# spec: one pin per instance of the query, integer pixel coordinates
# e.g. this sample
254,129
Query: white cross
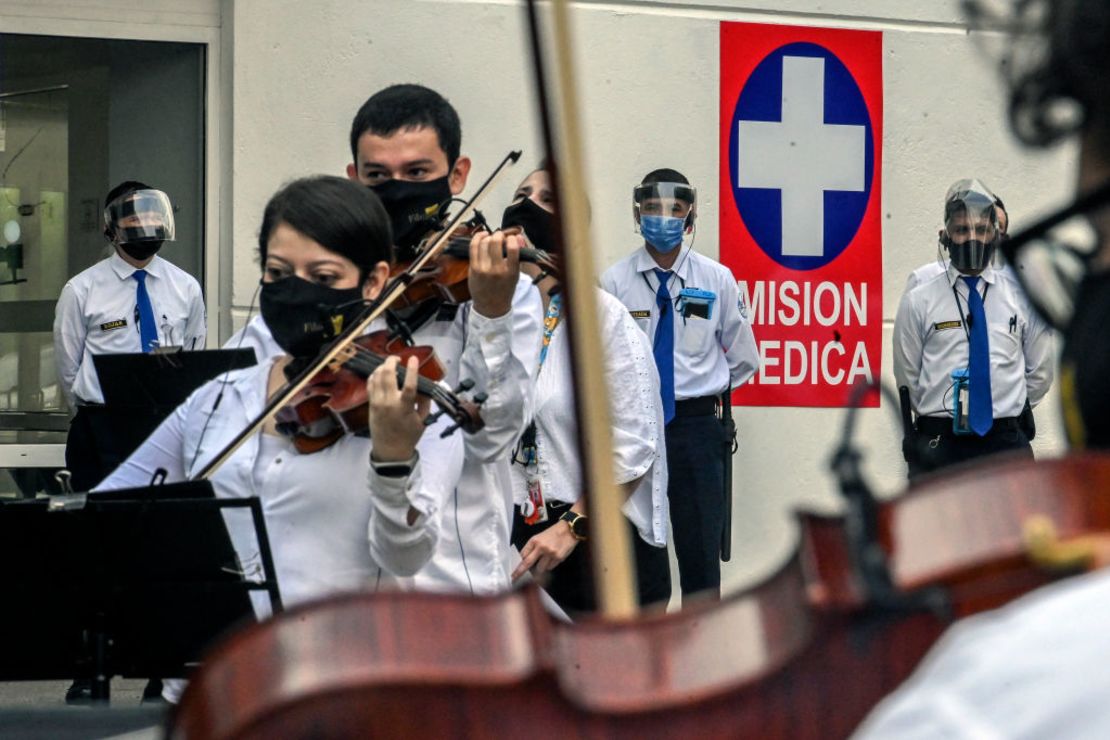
801,155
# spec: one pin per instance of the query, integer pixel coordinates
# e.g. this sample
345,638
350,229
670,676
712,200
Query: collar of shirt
988,274
646,263
246,383
124,269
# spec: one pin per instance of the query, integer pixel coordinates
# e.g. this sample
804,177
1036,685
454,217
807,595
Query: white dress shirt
1034,669
709,354
636,407
473,551
96,314
930,341
334,524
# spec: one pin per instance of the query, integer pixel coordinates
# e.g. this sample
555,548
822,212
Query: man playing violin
362,513
405,145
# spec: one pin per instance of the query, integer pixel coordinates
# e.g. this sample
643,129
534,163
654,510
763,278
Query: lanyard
963,319
550,321
526,453
655,291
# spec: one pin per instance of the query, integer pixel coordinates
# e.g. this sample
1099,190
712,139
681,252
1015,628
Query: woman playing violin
362,512
549,525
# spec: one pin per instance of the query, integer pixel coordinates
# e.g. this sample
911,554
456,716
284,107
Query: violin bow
390,293
612,549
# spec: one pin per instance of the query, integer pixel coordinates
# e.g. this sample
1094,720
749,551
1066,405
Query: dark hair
127,186
1059,58
408,107
338,214
664,175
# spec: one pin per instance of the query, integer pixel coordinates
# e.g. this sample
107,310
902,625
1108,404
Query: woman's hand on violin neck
494,272
546,550
396,414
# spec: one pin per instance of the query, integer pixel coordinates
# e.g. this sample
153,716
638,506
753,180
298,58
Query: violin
803,654
447,277
335,402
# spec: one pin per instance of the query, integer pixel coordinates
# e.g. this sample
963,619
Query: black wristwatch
401,469
577,523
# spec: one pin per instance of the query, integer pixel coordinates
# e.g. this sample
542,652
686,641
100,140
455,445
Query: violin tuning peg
480,398
464,385
448,431
432,418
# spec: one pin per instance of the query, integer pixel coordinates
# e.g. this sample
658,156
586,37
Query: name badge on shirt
113,325
696,302
941,325
640,314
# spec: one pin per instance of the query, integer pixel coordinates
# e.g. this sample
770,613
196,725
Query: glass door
77,116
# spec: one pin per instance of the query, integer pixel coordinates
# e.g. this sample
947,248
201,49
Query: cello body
800,655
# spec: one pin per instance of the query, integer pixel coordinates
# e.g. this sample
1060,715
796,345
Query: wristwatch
401,469
577,523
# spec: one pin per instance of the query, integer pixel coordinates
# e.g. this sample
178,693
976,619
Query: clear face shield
663,211
971,231
140,216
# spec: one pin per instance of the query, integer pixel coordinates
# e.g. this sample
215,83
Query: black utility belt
933,425
702,406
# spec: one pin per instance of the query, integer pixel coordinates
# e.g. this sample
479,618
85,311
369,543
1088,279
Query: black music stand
141,389
133,582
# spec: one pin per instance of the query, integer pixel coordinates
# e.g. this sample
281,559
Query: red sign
800,194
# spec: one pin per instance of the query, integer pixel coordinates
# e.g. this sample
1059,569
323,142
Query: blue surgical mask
662,232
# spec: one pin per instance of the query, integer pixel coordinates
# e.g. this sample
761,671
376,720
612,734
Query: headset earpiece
691,217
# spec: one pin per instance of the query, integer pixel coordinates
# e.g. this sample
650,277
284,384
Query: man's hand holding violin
494,271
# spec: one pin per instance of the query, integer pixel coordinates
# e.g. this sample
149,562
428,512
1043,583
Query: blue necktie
663,348
980,413
148,331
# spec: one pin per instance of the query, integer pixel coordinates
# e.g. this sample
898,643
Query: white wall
649,78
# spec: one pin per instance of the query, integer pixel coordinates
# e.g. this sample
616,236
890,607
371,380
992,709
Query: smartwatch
577,524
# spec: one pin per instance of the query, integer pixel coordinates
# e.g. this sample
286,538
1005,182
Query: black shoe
152,694
79,692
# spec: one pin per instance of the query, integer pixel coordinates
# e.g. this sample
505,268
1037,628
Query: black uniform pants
696,469
88,450
571,583
934,446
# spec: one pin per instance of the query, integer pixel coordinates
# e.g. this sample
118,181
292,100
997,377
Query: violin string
367,361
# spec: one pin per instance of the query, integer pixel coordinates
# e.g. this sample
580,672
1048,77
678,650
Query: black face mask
303,316
971,256
414,208
141,250
538,224
1085,366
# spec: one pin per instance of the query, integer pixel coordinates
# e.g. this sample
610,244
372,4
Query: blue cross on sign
801,156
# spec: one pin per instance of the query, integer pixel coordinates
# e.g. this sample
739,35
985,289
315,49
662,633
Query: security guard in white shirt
968,346
688,305
133,301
